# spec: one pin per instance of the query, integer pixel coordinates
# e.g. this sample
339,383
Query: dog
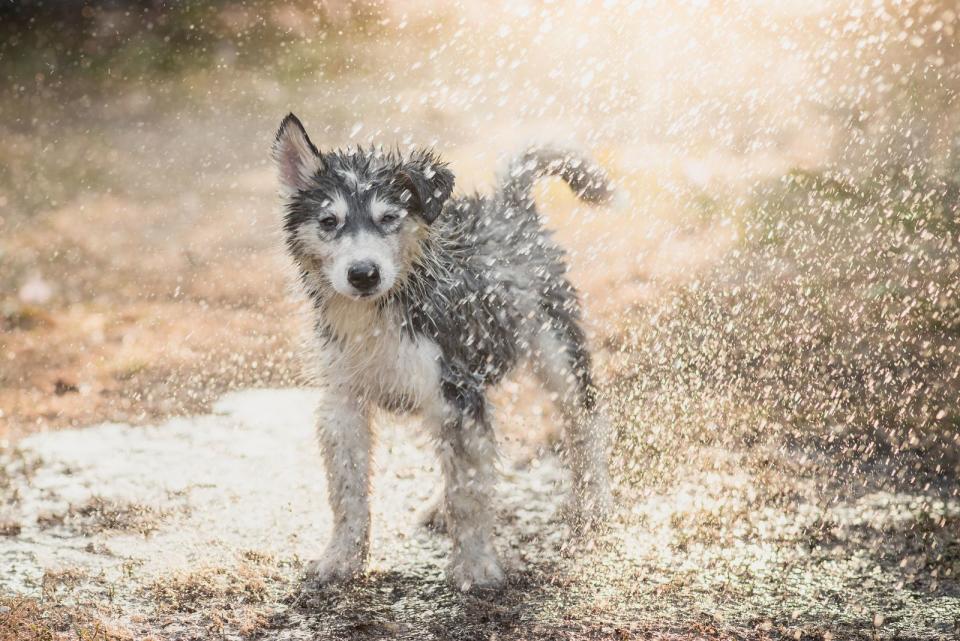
421,302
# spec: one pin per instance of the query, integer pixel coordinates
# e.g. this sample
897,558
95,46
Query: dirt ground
199,527
157,474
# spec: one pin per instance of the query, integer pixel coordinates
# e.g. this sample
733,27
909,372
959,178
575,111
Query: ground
158,477
201,526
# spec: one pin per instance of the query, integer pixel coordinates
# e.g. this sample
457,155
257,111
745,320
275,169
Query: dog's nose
364,276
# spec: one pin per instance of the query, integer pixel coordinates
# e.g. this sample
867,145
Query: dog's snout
365,275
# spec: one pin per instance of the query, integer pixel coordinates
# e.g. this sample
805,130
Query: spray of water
772,304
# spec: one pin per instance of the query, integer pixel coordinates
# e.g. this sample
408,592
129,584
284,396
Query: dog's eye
328,223
389,217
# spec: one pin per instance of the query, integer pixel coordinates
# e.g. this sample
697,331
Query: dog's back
493,280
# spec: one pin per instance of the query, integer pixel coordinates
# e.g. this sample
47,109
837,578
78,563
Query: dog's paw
476,572
334,568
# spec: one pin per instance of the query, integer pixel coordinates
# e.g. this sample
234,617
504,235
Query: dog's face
356,219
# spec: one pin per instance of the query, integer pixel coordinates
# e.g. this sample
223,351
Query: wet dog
423,301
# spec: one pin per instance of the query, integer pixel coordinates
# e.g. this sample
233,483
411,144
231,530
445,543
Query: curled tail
587,179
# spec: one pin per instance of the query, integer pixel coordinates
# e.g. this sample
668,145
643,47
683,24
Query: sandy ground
201,526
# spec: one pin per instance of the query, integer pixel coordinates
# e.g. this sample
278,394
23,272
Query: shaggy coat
422,301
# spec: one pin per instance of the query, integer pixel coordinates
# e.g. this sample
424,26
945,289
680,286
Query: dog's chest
382,362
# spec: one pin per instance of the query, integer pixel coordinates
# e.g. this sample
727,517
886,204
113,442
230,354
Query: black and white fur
422,302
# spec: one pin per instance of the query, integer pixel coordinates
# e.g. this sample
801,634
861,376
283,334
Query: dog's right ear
298,161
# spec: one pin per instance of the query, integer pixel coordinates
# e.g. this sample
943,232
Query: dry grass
9,527
105,515
26,619
248,582
238,598
136,362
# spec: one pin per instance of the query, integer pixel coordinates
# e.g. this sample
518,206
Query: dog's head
356,219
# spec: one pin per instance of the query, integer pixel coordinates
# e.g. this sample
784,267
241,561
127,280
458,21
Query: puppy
422,302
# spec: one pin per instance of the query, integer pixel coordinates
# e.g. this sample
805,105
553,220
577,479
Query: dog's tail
585,177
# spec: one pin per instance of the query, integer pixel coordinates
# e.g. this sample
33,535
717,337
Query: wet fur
480,288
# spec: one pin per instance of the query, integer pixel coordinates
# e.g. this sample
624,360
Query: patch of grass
16,466
130,368
101,515
63,579
9,527
235,598
26,619
17,316
238,598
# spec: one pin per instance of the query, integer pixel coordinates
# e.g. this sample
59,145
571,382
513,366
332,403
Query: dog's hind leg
562,362
343,429
468,454
431,515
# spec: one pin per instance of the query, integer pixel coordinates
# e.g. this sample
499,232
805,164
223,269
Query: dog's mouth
364,295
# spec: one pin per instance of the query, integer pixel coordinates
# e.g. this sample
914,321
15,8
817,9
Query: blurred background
791,169
782,278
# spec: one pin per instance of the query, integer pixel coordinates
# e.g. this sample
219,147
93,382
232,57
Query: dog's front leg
468,456
343,429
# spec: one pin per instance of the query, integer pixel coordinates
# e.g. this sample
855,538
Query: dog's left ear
425,184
